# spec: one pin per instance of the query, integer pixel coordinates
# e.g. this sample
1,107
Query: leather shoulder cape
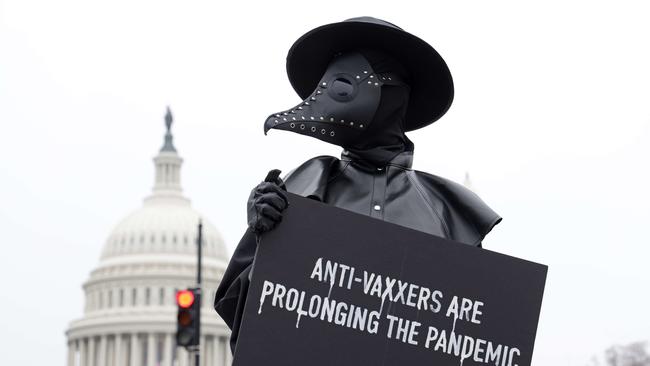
464,216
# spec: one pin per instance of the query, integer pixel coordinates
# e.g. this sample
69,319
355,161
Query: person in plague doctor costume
364,83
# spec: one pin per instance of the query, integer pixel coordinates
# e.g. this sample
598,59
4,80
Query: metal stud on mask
343,104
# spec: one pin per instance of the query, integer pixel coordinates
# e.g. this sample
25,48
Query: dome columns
144,349
168,173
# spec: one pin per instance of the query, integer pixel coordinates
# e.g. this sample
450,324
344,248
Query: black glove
266,203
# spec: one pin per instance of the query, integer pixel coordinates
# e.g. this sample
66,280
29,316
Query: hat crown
373,20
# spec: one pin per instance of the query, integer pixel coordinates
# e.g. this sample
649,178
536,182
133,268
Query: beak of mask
343,105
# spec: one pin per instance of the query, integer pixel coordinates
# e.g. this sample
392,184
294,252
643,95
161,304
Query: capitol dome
163,226
130,310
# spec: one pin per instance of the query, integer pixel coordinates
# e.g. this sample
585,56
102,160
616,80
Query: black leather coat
393,193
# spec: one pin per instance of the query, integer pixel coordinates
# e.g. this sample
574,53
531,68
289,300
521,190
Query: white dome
130,309
163,226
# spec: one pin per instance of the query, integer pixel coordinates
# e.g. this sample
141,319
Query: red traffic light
188,317
185,298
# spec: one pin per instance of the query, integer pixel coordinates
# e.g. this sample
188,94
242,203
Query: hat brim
432,88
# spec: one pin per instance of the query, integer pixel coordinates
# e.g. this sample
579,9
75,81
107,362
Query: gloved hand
266,203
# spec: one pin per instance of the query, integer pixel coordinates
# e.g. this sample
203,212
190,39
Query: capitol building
129,316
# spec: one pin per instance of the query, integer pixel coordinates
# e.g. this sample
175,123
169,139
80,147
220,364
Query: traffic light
188,323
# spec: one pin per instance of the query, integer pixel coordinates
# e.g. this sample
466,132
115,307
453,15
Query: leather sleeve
230,298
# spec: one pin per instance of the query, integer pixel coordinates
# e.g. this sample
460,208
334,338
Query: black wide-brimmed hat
432,88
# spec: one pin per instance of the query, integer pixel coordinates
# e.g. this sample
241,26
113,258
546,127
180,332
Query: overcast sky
550,118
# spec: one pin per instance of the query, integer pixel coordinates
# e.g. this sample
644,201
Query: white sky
550,118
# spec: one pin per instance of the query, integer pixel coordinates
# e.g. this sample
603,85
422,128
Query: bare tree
633,354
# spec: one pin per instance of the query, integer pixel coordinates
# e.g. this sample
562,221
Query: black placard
315,297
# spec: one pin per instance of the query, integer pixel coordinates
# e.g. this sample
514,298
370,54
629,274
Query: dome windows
147,296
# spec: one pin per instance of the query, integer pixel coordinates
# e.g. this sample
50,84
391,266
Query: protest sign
331,287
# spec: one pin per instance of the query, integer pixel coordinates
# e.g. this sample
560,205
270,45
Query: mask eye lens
342,87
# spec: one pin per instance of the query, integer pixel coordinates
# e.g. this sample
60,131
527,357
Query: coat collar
402,160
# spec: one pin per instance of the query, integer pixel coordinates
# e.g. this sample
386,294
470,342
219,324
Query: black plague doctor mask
359,104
